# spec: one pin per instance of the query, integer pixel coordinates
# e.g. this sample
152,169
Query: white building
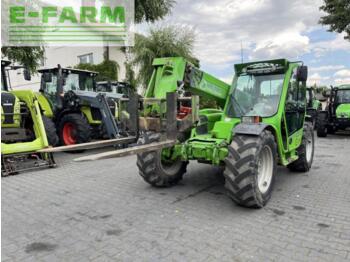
69,57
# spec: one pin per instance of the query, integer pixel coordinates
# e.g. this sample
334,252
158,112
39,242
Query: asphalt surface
104,211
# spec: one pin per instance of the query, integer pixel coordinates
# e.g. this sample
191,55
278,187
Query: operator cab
257,91
114,87
343,95
72,80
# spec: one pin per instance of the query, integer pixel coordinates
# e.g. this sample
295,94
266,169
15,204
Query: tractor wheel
50,130
250,169
74,129
305,151
322,129
154,170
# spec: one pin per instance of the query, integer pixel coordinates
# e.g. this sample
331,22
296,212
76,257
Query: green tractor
313,106
337,114
69,97
260,124
24,130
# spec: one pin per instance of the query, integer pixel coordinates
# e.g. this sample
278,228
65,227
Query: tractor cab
57,81
342,103
115,87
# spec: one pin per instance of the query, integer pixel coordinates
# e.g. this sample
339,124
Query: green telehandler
24,130
337,114
260,124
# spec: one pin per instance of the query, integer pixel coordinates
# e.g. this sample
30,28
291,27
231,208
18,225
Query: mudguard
250,128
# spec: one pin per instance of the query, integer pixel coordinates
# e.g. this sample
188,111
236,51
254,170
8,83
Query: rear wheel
305,151
51,132
155,170
74,129
250,169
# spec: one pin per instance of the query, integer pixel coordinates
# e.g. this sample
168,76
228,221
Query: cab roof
280,65
343,86
67,70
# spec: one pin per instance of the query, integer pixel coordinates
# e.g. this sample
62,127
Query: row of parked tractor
265,118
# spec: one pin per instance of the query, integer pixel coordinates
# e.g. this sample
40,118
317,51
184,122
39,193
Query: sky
267,29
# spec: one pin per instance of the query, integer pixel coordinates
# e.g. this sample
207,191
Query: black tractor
337,114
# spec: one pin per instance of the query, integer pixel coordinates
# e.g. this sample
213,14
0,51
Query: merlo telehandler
336,116
24,129
260,124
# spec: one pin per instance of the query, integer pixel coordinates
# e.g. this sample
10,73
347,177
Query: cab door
295,111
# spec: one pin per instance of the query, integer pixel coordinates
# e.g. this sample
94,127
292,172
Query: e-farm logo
48,23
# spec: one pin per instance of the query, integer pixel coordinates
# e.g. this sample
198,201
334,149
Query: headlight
251,119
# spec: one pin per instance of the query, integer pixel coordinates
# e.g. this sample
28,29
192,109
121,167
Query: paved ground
103,211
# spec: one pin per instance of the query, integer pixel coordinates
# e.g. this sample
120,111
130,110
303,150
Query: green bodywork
343,110
16,117
40,142
45,104
211,146
316,104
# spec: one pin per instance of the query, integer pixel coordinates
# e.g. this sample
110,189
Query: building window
86,59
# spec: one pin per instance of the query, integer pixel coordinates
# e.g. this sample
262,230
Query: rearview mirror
302,73
26,74
47,77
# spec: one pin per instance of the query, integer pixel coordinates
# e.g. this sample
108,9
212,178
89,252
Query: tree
152,10
165,41
26,56
107,70
338,16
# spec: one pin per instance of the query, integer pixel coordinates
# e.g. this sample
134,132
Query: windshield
78,82
343,96
256,95
72,82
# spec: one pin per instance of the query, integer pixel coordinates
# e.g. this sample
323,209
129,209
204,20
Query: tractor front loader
24,130
69,97
337,114
259,123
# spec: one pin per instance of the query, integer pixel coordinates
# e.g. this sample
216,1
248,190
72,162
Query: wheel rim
265,169
308,147
69,134
170,166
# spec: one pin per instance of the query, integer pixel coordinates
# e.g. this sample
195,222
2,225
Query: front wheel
155,170
50,130
74,129
250,169
305,151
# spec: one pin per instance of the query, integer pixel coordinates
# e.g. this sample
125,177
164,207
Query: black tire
322,129
81,125
51,132
241,172
304,162
153,170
